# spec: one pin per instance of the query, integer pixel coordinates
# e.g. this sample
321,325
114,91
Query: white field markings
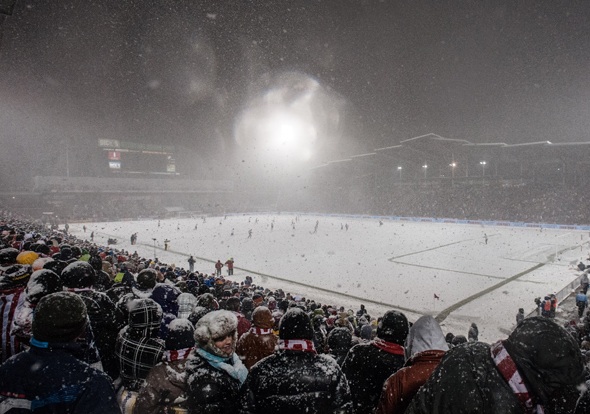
441,316
446,312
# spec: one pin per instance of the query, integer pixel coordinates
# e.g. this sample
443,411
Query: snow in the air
389,265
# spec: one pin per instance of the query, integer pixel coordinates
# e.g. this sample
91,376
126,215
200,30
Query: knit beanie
59,317
146,279
8,256
393,327
197,313
339,339
262,318
14,276
180,334
56,265
207,300
295,324
41,262
42,283
26,257
366,332
78,275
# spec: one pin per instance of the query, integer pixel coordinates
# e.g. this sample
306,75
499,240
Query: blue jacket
580,297
50,378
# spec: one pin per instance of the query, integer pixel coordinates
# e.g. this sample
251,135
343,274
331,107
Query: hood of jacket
425,334
546,355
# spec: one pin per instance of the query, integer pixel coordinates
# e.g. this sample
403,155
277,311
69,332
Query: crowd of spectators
547,203
529,203
89,328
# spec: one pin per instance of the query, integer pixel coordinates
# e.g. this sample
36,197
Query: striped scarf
260,331
509,372
304,345
176,354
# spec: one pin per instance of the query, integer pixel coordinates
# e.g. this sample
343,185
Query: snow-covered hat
393,327
14,276
59,317
180,334
146,279
42,283
295,324
214,326
78,275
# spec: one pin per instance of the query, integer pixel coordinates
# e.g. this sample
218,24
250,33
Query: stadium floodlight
483,167
425,168
453,165
399,168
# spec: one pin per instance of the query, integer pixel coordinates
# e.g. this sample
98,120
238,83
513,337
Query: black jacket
367,367
296,382
457,383
210,390
106,322
52,379
467,379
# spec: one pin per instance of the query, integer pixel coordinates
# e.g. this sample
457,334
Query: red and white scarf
304,345
260,331
176,354
388,347
509,372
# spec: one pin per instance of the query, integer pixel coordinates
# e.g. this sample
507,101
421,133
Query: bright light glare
287,134
283,134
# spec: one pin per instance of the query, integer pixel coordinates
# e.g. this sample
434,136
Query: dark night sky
181,71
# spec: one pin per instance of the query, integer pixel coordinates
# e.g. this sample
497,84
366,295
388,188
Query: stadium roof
443,156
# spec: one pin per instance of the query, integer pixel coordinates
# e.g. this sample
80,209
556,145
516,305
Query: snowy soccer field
399,265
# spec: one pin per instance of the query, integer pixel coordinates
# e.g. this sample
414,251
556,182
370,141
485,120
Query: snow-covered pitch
400,265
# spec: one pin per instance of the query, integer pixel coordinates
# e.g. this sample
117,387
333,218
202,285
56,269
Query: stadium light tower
154,239
483,167
425,168
453,165
399,169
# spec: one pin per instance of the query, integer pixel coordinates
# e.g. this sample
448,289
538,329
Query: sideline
331,292
446,312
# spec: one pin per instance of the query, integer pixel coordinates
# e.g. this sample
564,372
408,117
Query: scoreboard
124,157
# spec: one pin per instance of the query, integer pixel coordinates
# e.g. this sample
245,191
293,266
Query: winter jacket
186,304
243,323
296,382
210,390
367,367
259,341
167,297
426,346
468,380
49,378
138,346
10,299
164,389
473,334
106,322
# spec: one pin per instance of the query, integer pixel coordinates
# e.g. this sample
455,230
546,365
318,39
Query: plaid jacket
138,347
